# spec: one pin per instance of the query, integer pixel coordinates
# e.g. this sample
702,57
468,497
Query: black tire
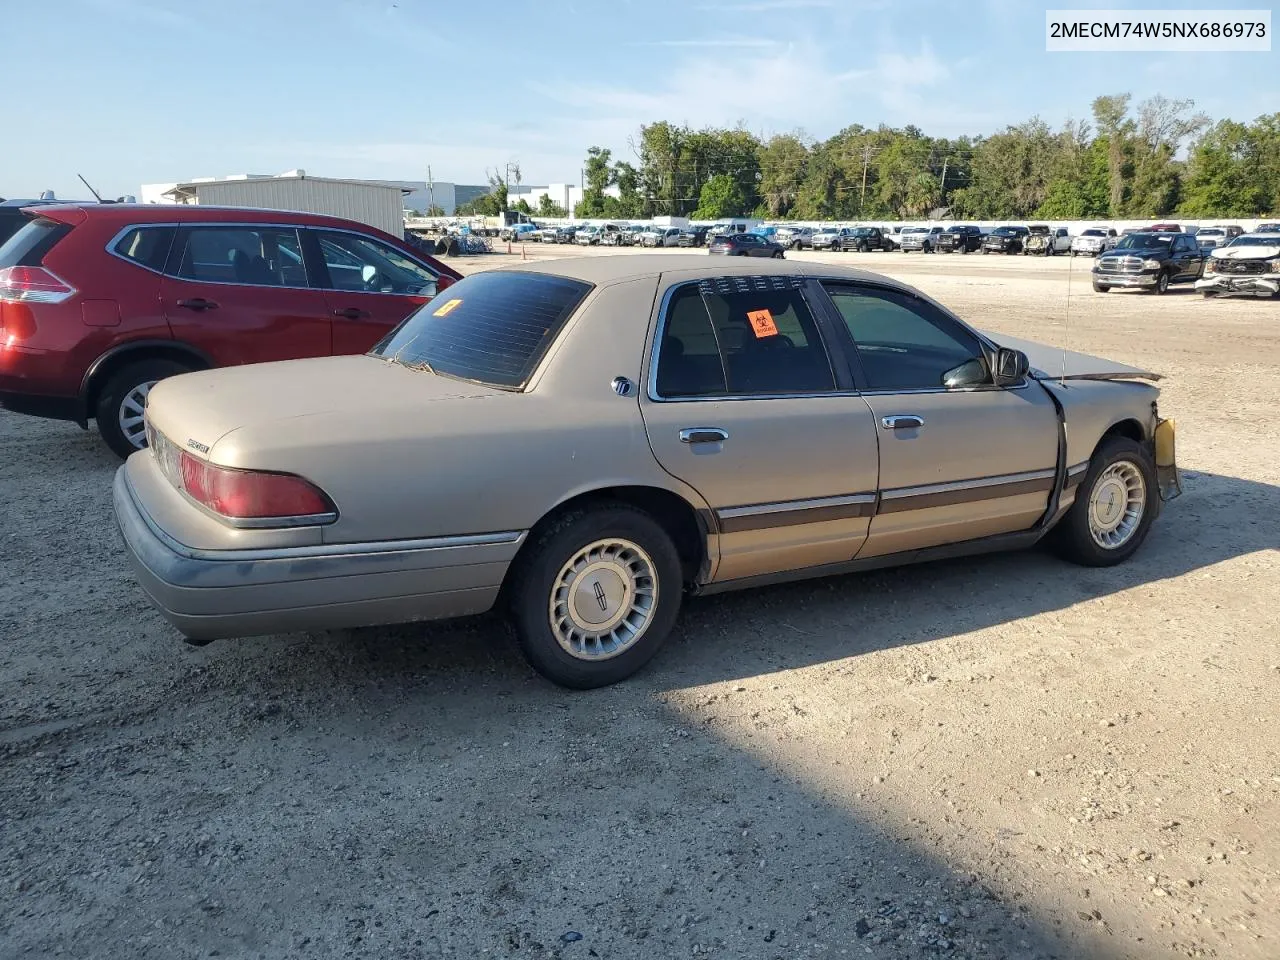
1100,287
538,567
1162,284
777,255
926,248
1071,538
117,388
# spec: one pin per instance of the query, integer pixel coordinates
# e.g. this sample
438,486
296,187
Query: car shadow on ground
416,791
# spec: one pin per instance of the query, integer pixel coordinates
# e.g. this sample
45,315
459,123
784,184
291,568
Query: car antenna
91,190
1066,322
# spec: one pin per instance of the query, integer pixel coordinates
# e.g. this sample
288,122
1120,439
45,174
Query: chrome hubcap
130,416
1116,504
603,599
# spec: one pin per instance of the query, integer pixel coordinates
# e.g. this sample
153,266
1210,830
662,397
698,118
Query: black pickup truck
1007,239
961,239
864,240
1149,261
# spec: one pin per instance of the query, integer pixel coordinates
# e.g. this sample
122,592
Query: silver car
587,441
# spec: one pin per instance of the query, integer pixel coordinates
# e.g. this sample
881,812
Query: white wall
374,204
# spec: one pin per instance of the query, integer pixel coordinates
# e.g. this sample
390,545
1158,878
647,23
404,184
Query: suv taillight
262,499
33,285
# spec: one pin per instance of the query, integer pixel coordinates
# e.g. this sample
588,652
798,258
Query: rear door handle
903,422
703,435
198,303
351,313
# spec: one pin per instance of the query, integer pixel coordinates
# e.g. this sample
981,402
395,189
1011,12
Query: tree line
1155,158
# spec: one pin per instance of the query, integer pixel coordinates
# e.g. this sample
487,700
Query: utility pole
431,193
942,185
866,160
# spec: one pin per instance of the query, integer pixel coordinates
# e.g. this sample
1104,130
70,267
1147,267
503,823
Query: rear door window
252,256
741,336
491,327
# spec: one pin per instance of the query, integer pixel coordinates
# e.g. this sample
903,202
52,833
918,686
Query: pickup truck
1006,239
1093,241
1046,241
923,239
1149,260
864,240
961,239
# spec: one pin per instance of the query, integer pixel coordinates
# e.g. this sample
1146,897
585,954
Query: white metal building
378,204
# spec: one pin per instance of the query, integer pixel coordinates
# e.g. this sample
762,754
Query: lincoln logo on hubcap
600,597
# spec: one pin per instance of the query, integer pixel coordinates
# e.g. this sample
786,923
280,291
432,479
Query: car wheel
1100,287
123,399
1162,284
777,254
596,596
1114,506
926,249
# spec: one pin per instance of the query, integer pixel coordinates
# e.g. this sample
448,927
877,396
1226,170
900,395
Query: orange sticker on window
762,323
447,309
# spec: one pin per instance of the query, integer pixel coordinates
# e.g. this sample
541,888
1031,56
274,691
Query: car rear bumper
1266,284
212,594
1126,279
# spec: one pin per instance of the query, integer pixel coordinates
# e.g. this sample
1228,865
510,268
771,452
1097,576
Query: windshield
1092,233
1008,231
862,231
1139,241
914,230
1248,241
489,328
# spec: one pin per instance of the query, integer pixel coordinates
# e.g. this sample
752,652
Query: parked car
693,237
1268,228
1092,241
12,219
1006,239
864,240
923,239
100,302
587,236
825,238
1164,228
795,238
1250,263
635,485
960,239
661,237
631,235
745,245
1217,236
894,235
1046,241
1150,261
518,231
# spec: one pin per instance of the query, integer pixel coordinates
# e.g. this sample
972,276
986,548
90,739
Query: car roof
128,213
620,267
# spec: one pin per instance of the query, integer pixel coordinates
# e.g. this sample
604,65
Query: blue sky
134,91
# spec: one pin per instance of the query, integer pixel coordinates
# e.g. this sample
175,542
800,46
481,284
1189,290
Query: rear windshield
27,247
490,327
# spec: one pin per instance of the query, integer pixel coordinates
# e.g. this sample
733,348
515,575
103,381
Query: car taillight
33,285
268,499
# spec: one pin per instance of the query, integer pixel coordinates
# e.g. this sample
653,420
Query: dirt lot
1001,757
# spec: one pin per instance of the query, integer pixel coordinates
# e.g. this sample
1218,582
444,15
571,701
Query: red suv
98,303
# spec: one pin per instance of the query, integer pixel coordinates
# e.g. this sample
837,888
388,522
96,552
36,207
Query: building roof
187,189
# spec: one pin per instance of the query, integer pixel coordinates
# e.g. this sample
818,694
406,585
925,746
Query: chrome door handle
903,422
703,435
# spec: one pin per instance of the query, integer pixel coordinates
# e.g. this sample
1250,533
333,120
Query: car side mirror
1011,367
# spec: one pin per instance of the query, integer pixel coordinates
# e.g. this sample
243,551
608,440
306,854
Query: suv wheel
596,596
1162,284
123,400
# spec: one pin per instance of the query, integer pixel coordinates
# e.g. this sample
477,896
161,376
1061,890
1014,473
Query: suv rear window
27,247
490,327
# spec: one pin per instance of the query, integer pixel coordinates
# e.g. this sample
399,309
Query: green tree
1226,173
549,208
599,175
782,163
721,196
1110,115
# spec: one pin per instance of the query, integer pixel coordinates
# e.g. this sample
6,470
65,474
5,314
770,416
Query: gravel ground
999,757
